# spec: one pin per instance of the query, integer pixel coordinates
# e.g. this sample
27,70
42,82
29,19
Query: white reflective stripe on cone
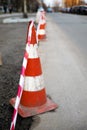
33,51
41,32
33,83
43,21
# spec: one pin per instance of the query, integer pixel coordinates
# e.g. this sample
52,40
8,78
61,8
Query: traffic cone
33,100
31,38
41,29
40,12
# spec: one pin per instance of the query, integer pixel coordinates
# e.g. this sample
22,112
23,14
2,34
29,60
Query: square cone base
31,111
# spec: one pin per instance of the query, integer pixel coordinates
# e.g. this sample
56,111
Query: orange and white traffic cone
34,91
41,29
33,100
40,12
31,34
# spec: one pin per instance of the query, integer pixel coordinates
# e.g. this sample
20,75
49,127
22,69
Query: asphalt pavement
65,82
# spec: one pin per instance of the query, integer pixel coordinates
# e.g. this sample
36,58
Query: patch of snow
17,20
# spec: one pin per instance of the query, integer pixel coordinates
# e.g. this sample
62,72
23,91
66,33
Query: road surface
65,73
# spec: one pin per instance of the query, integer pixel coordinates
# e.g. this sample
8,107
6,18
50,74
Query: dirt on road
12,46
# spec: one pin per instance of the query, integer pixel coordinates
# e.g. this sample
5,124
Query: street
75,26
64,63
65,68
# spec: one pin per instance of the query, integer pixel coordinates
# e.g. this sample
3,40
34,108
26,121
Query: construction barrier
41,29
31,98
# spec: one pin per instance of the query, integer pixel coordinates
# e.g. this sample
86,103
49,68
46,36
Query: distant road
75,27
64,55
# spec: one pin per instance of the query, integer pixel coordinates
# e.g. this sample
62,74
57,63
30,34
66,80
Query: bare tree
24,5
25,15
56,6
33,5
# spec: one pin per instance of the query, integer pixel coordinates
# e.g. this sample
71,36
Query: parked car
83,9
74,9
79,9
49,10
63,10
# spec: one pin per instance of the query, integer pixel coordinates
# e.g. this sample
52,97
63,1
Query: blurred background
9,6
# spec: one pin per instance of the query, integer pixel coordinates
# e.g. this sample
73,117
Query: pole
25,9
21,81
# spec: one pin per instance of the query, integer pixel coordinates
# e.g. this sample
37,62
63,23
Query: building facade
69,3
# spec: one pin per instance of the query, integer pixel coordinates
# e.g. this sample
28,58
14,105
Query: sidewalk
15,18
8,15
13,14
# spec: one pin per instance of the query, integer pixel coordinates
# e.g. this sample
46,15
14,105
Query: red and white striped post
21,81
